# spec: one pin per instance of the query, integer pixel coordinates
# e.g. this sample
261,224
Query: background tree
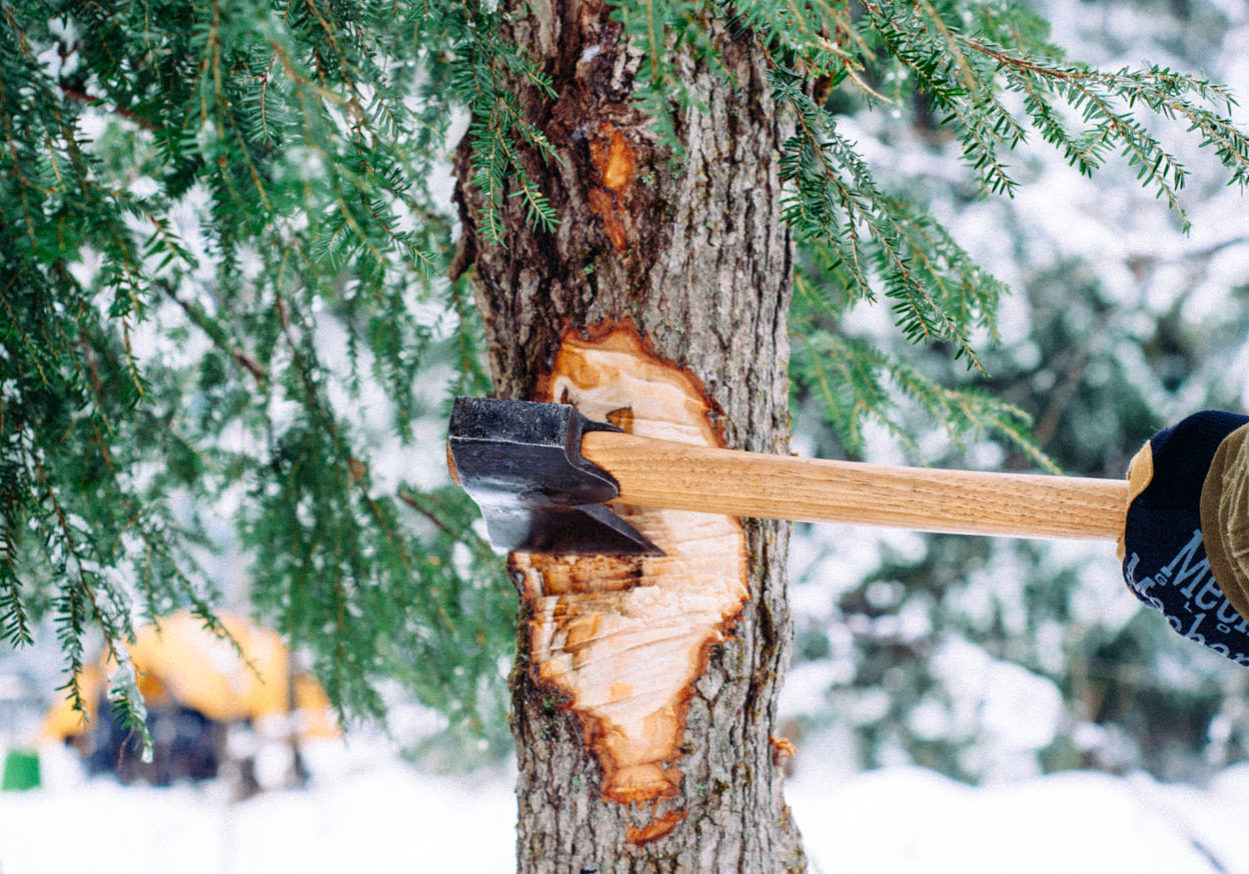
1120,323
223,236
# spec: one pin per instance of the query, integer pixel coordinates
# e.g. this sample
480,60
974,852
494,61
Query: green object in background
21,770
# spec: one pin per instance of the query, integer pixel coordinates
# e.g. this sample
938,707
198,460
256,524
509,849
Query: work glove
1185,546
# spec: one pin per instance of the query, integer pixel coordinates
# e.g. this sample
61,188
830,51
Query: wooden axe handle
679,476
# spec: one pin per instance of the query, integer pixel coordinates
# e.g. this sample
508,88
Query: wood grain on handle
678,476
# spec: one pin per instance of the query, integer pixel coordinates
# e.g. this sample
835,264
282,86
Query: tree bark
676,275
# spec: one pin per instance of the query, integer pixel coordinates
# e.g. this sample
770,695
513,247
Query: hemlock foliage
223,235
987,658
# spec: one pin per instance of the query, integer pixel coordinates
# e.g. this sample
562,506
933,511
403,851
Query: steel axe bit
521,462
542,472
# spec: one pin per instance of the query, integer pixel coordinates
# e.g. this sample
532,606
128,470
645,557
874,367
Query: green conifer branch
308,131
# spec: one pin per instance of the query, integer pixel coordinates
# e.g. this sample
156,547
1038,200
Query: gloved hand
1185,547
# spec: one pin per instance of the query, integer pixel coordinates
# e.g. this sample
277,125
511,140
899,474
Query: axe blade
521,462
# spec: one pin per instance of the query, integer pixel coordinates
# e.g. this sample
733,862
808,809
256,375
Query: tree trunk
645,689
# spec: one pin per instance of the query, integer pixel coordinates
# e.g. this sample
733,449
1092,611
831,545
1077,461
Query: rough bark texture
693,258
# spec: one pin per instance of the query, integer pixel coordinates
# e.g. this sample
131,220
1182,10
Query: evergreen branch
355,469
817,158
430,511
1143,150
925,43
77,593
425,261
1161,90
853,379
14,497
302,128
972,82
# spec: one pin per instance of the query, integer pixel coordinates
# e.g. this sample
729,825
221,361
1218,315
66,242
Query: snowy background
368,811
903,679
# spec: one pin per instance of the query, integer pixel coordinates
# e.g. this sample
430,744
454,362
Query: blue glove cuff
1164,562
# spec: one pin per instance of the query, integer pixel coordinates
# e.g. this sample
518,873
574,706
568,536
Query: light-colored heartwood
624,638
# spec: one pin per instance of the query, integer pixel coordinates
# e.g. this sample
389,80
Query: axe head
521,462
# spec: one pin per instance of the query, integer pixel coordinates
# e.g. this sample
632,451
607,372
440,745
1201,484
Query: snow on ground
367,811
907,819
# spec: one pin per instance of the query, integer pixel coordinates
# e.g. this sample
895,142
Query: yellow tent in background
179,661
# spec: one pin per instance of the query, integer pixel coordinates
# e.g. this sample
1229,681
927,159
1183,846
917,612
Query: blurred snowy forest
981,659
989,658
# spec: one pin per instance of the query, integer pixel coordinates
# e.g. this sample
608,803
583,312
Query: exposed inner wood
624,638
657,829
613,160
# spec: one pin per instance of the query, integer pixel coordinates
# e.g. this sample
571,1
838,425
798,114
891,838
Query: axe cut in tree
543,472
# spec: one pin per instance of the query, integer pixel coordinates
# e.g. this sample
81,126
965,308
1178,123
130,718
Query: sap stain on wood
656,829
614,161
623,639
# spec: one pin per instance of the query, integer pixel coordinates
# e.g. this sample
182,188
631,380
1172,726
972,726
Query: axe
543,475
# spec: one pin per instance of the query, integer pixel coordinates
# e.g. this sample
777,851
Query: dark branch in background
98,102
218,335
